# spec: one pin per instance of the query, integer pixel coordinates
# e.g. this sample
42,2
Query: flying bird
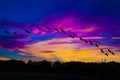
27,31
102,50
71,36
63,30
38,28
6,32
96,45
111,52
56,29
74,34
85,41
106,54
81,39
15,33
91,43
48,28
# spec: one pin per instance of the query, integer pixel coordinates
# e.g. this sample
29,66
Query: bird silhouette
111,52
71,36
85,41
102,50
48,28
106,54
6,32
38,28
74,34
15,33
96,45
63,30
81,39
27,31
91,42
56,29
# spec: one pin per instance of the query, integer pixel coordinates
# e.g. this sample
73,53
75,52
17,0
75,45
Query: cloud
4,58
116,38
44,43
74,22
67,51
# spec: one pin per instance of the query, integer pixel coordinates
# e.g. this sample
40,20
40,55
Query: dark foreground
51,76
44,70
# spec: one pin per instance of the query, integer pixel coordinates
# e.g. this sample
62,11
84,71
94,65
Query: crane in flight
63,31
91,42
27,31
81,39
56,29
106,54
71,36
102,50
74,34
15,33
38,28
6,32
96,45
111,52
48,28
85,41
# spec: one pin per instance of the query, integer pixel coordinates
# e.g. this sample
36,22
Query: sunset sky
94,20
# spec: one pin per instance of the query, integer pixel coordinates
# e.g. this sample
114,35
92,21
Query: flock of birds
73,35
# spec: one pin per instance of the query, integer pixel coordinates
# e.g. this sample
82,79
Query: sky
94,20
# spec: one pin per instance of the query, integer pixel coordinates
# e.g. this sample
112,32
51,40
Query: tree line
104,69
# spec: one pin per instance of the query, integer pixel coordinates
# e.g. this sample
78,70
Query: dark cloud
47,51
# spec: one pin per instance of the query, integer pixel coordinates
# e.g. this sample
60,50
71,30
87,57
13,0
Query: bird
91,42
48,28
63,30
38,28
15,33
96,45
71,36
81,39
85,41
6,32
111,52
74,34
106,54
56,29
102,50
27,31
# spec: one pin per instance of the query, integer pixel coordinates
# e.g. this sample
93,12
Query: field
19,70
50,76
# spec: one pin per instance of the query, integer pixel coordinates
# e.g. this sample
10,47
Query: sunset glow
56,35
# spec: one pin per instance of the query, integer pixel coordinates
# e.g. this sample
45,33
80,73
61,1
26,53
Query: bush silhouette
97,69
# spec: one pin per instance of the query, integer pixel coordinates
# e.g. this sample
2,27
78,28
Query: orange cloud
4,58
67,51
